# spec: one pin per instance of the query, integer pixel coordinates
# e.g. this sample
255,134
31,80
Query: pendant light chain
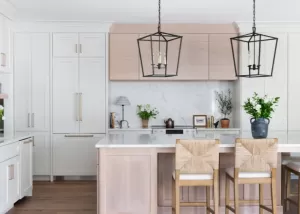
254,17
159,15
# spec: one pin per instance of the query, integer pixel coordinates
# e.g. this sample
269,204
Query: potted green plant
2,113
224,100
260,109
145,112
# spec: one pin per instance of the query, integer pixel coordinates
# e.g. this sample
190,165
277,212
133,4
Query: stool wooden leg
177,198
173,196
288,189
273,190
216,191
227,194
207,199
261,198
298,194
282,184
236,192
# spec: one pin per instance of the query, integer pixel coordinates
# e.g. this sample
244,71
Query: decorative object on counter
254,42
200,121
2,117
169,123
112,120
156,46
212,120
261,109
208,123
216,124
123,101
145,112
224,100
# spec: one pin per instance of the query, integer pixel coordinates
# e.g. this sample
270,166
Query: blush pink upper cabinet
221,66
124,58
194,57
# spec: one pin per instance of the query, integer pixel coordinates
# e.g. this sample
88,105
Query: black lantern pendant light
256,44
159,53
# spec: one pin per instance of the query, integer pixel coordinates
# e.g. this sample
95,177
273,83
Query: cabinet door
5,61
22,71
65,95
75,155
3,187
13,179
293,82
41,154
65,45
1,42
193,64
92,95
124,57
40,64
221,66
26,167
92,45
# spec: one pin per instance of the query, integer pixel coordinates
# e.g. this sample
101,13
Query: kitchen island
135,172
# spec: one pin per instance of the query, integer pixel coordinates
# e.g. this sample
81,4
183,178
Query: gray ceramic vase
259,127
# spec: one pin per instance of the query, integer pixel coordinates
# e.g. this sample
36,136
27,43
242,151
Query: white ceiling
199,11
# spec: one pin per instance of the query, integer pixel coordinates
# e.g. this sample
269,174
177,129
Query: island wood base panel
138,181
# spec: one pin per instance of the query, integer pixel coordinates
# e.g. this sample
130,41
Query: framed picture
200,121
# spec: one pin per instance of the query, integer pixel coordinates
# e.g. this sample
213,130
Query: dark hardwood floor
59,198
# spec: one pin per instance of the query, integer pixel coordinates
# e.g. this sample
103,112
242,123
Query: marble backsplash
177,100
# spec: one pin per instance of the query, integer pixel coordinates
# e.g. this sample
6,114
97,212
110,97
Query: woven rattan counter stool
255,163
196,164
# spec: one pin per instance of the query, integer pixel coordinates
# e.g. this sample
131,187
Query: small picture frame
200,121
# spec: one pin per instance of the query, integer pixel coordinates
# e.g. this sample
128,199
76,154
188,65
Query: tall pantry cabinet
79,83
32,94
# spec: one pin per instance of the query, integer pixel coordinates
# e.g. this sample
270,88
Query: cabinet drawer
9,151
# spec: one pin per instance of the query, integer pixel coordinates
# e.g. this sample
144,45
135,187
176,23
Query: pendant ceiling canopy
261,51
160,52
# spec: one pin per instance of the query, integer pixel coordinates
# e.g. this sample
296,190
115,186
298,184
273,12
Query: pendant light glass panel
160,54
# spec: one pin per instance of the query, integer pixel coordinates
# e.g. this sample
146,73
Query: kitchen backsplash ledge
176,100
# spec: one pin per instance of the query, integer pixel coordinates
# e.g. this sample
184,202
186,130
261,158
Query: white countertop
135,140
7,139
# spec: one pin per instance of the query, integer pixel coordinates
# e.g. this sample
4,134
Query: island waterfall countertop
135,140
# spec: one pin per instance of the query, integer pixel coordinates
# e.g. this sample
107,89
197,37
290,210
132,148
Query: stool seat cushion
230,171
294,166
194,177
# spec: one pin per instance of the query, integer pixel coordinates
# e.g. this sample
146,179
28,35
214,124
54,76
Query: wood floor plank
74,197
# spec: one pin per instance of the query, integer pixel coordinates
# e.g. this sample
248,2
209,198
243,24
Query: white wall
178,100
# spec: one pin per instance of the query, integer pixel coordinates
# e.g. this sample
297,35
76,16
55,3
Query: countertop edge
14,139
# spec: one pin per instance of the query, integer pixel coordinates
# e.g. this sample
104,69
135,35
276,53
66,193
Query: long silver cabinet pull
76,48
77,107
26,142
32,120
80,106
74,135
28,120
80,48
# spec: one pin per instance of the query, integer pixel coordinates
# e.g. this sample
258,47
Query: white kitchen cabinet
26,156
31,81
3,187
65,45
65,95
82,44
13,179
79,86
92,45
5,25
75,155
294,81
41,154
92,95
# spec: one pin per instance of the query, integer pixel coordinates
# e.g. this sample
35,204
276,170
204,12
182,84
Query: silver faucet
121,123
